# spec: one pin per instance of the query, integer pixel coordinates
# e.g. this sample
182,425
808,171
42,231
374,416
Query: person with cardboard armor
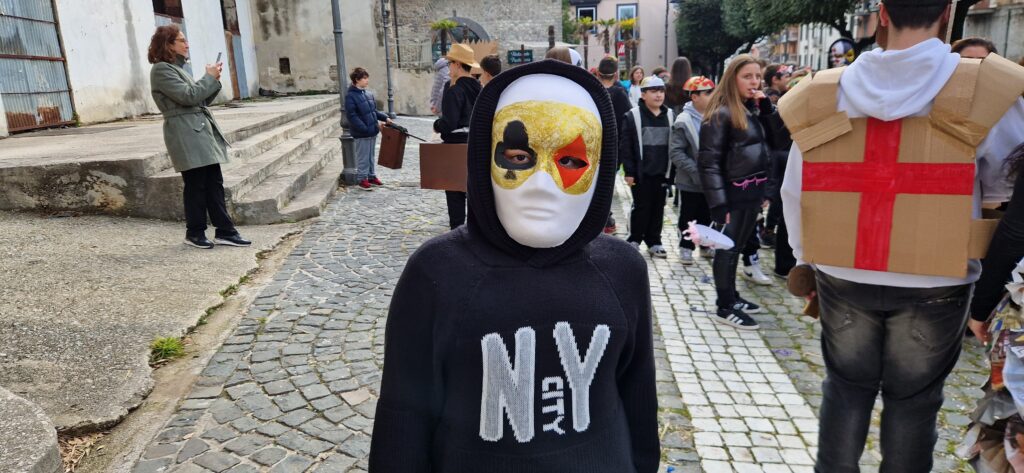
893,156
522,341
457,103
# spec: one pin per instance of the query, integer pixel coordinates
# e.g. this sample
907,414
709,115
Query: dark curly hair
160,44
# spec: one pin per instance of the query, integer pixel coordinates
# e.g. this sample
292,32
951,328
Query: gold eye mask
553,137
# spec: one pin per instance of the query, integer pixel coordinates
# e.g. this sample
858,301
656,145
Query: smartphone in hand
218,59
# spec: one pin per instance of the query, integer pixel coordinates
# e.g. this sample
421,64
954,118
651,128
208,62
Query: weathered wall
3,118
650,29
252,72
105,44
303,32
1004,26
205,24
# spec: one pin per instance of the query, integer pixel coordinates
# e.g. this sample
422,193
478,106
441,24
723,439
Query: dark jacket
620,102
735,164
362,113
781,144
456,109
1006,249
473,305
636,162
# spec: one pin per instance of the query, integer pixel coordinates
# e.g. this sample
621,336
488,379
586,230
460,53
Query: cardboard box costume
897,196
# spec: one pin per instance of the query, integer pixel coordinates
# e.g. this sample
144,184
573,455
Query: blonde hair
728,95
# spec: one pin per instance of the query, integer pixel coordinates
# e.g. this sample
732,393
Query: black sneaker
736,318
784,277
199,242
746,306
233,240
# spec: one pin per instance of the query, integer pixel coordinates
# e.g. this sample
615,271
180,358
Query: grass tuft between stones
165,349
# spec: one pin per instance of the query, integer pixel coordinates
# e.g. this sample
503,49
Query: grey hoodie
683,146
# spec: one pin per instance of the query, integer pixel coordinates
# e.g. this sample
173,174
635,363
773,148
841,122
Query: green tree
444,28
627,28
608,28
568,22
583,27
703,36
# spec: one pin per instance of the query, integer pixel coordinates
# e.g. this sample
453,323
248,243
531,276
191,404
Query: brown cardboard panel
836,125
924,239
443,166
956,96
981,236
392,148
829,222
1000,84
923,143
848,148
811,101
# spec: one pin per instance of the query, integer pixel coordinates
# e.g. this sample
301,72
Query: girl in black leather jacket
734,161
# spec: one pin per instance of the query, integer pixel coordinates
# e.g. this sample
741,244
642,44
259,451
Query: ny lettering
509,390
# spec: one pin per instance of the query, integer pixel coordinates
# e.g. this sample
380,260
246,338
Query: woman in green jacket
194,142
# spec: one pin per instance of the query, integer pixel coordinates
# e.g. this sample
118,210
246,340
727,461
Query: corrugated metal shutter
33,80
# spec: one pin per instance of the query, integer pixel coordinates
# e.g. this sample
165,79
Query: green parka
191,134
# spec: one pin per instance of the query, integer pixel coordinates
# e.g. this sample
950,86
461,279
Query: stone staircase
280,173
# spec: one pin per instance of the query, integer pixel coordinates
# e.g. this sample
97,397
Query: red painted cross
879,179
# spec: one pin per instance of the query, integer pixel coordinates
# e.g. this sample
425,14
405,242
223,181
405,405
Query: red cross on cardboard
878,179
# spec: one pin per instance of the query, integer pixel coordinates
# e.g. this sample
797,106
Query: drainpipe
348,155
387,58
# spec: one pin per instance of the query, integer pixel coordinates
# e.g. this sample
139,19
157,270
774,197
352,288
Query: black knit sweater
501,358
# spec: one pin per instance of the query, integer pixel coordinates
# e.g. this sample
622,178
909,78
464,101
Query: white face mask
546,148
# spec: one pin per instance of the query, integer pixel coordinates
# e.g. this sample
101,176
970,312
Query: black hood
483,219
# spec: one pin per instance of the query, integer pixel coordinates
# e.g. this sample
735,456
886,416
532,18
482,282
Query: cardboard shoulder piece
897,196
392,148
443,166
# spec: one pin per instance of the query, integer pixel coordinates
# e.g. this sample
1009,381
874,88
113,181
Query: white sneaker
658,251
685,256
635,245
754,274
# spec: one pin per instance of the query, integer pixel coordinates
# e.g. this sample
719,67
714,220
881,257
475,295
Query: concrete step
262,142
240,175
246,132
269,201
30,440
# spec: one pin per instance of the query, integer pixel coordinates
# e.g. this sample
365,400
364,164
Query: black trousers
784,259
204,195
648,214
740,227
692,206
456,208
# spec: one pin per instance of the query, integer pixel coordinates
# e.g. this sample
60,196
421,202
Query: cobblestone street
294,388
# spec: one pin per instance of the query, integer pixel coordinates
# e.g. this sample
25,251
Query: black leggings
740,227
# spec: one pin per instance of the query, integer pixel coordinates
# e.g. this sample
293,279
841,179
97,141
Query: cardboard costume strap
897,196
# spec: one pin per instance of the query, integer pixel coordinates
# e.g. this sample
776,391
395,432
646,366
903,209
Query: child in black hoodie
522,342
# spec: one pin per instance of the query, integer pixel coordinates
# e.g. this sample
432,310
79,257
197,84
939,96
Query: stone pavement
294,389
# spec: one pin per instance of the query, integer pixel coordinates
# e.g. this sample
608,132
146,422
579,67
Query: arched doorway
467,30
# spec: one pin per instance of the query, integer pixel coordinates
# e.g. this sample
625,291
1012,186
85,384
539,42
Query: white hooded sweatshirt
889,85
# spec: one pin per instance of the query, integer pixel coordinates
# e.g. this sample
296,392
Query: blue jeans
364,148
902,341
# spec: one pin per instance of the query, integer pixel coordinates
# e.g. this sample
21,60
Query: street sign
520,56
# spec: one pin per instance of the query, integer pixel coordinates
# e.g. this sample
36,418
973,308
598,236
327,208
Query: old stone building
295,40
